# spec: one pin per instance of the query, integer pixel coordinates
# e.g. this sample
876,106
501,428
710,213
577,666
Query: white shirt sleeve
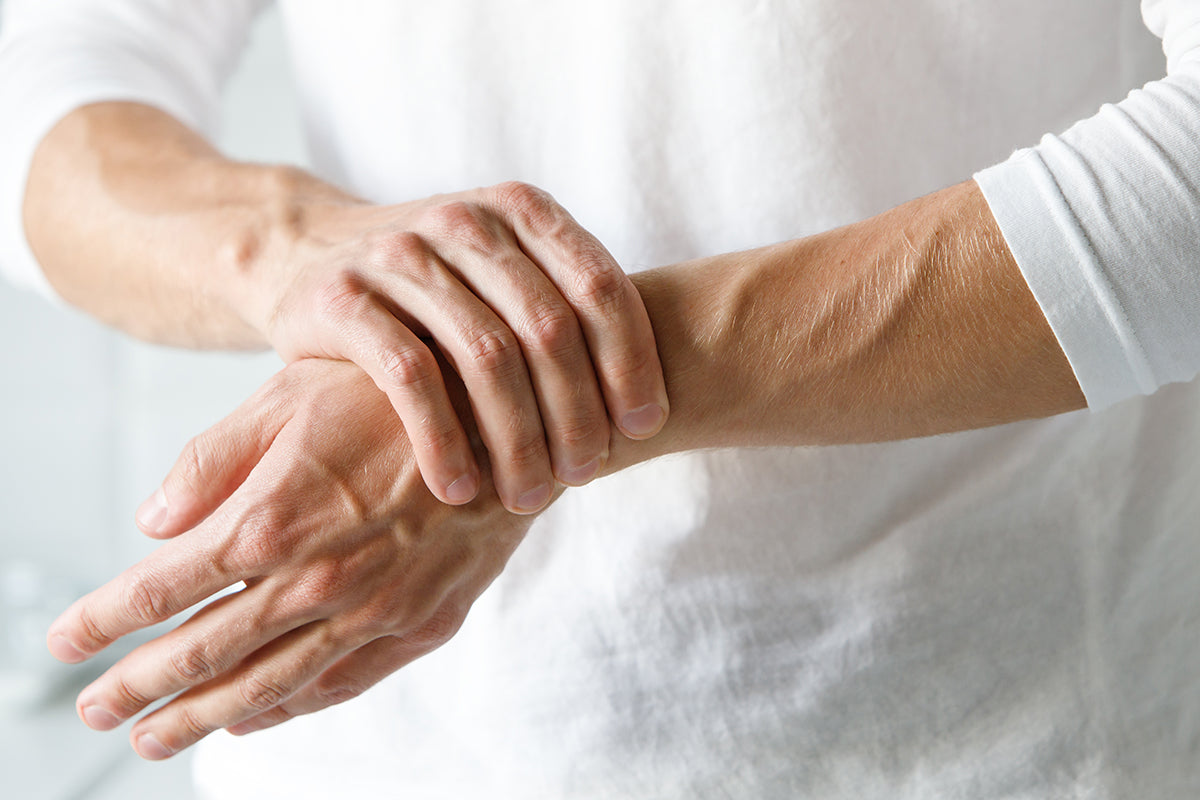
58,55
1104,222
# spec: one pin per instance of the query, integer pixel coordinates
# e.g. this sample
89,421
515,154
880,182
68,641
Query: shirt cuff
1063,272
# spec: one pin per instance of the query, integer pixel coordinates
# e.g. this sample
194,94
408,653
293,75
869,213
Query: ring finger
564,380
488,358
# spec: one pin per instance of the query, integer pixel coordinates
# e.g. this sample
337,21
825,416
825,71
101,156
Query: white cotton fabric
1104,219
1007,613
56,55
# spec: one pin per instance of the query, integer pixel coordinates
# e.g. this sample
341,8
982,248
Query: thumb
211,467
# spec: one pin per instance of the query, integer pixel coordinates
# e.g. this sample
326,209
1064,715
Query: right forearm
140,222
913,323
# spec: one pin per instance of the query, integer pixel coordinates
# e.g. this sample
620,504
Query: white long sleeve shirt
1104,220
994,614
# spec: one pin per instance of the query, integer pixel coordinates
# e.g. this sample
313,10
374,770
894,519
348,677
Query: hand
540,322
310,495
537,318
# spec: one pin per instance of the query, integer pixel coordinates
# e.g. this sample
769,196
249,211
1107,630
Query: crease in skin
307,649
260,600
196,633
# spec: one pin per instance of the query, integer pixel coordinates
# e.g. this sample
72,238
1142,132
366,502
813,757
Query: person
964,591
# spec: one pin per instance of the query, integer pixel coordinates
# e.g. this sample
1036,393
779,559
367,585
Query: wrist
694,309
288,217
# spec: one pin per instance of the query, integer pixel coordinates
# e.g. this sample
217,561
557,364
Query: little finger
261,682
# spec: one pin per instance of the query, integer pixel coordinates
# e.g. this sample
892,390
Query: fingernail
149,747
644,421
462,490
63,650
534,499
100,719
578,476
152,513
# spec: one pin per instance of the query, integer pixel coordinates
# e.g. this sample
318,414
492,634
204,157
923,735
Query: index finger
610,310
173,578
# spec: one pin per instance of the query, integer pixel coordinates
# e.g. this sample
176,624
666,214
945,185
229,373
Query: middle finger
493,266
486,354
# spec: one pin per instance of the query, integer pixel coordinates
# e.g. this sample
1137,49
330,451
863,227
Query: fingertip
643,422
580,476
148,746
97,718
61,648
462,490
151,516
533,500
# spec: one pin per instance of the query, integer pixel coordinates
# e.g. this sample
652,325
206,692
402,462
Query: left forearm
912,323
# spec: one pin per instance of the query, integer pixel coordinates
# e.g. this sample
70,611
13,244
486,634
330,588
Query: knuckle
407,367
602,287
438,440
520,194
340,298
144,600
494,352
584,431
451,214
259,541
552,330
340,295
260,692
193,727
326,581
630,366
527,454
437,630
528,201
192,665
93,633
391,247
129,700
334,584
459,220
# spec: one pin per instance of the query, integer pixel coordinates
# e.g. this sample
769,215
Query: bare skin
186,247
912,323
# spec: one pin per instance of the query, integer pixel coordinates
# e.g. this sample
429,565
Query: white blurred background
89,423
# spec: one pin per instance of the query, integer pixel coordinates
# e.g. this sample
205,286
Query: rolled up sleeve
59,55
1104,222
